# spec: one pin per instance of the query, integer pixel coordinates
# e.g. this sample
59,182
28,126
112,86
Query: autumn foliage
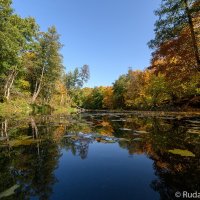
172,80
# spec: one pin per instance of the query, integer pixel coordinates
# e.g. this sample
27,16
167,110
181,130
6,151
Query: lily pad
125,129
68,136
10,191
141,132
124,139
181,152
193,121
194,131
118,120
136,134
137,139
108,141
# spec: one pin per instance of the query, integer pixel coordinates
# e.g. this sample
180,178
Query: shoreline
149,112
23,108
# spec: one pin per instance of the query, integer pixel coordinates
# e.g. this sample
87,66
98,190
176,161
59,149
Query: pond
99,156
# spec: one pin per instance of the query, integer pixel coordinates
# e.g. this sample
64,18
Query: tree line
31,65
173,77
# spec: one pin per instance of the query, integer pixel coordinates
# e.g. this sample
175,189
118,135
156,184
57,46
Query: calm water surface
99,156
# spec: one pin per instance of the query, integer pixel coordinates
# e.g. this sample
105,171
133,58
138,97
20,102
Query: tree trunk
38,87
194,40
36,92
4,130
34,129
35,134
9,83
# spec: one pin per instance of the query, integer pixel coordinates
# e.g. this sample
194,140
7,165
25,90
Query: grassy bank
21,107
15,107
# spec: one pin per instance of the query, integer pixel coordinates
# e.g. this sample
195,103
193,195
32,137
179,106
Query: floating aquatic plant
182,152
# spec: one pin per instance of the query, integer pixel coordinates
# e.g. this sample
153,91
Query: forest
172,81
140,133
32,72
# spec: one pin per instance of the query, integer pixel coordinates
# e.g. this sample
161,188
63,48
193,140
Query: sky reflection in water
99,156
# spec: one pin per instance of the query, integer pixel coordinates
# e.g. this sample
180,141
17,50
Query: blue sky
108,35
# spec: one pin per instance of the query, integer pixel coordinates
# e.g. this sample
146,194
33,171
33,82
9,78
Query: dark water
99,157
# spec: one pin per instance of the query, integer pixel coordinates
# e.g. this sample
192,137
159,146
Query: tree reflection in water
30,149
31,166
78,145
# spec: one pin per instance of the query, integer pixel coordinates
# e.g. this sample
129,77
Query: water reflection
27,162
77,145
31,151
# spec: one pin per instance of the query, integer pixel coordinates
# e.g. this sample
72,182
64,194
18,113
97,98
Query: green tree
156,90
75,81
97,96
119,89
93,97
134,96
16,35
47,66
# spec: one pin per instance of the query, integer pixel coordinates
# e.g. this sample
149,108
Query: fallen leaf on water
182,152
194,131
125,129
137,139
10,191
